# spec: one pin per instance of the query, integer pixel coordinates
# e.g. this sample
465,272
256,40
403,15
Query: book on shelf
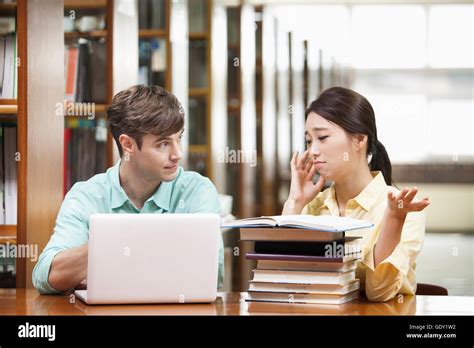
71,65
2,61
8,45
324,223
330,289
85,63
7,25
152,61
98,71
152,14
197,15
198,68
301,298
10,192
306,277
7,57
84,85
84,151
2,181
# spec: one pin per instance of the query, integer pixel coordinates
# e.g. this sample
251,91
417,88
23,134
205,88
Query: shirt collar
330,201
161,197
372,191
118,195
366,198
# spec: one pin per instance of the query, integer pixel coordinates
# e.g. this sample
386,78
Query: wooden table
30,302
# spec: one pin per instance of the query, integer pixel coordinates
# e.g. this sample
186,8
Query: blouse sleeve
395,274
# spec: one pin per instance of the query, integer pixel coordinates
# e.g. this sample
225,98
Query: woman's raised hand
400,205
302,189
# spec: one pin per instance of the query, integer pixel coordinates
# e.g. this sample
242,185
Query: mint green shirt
189,192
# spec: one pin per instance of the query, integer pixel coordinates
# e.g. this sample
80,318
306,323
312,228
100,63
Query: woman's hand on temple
302,189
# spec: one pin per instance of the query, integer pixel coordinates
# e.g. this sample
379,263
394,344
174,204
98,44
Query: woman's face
334,152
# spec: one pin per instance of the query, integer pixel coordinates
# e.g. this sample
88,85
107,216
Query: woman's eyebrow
319,128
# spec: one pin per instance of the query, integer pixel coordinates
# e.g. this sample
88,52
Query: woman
342,145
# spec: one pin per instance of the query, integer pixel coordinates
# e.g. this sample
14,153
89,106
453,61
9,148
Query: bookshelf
8,114
269,197
38,129
234,92
259,108
87,30
199,86
154,43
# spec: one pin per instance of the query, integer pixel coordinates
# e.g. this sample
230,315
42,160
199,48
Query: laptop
152,258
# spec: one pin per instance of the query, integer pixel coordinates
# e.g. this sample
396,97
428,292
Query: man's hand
82,285
69,268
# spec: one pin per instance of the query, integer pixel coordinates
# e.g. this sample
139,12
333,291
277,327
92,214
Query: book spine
11,198
256,256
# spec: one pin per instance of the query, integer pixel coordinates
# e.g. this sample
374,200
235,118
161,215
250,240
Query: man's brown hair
141,110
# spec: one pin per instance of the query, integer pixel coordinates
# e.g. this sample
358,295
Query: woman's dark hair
353,113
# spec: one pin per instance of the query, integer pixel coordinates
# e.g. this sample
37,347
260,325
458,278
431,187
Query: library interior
244,72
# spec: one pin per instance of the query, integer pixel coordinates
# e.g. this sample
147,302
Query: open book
326,223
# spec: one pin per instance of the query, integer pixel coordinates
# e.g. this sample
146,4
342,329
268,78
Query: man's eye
322,138
162,145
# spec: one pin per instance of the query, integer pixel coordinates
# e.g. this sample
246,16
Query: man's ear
128,143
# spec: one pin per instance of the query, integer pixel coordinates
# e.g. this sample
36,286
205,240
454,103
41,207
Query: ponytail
381,161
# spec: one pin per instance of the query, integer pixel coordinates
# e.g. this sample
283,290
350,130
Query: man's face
158,157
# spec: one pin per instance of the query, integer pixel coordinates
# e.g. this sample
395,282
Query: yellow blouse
395,274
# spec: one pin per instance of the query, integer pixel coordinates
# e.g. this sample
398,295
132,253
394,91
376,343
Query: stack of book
303,258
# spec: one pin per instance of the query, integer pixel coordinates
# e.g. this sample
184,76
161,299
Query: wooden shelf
5,240
8,106
233,107
197,149
98,107
8,102
96,34
79,118
7,231
7,10
8,109
101,108
151,33
85,4
198,36
198,92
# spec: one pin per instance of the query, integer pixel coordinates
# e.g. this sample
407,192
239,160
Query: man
147,124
